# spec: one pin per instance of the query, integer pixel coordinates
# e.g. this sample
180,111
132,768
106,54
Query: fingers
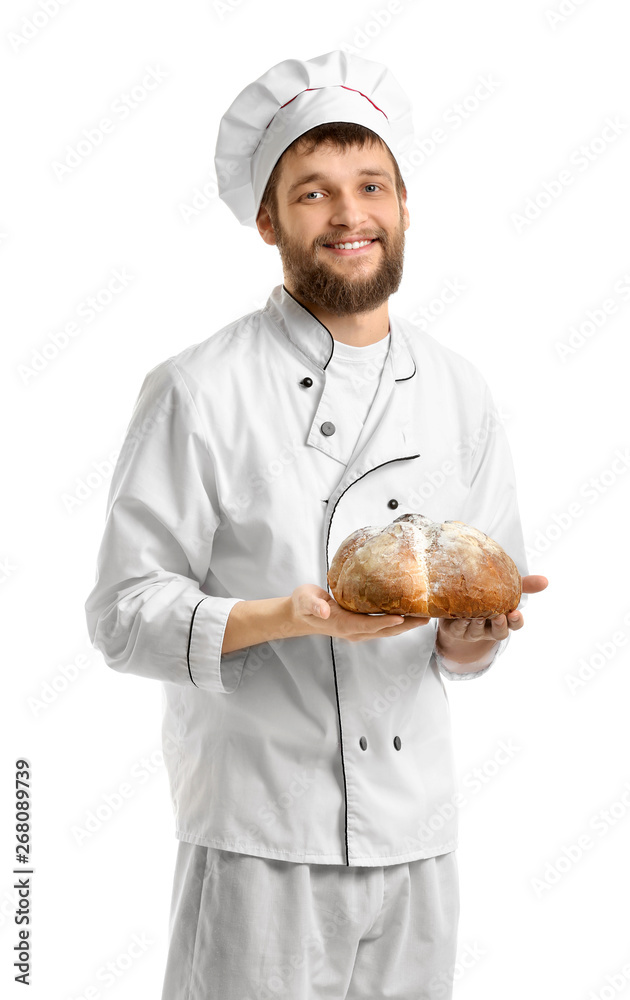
534,584
405,623
477,628
384,625
462,628
394,625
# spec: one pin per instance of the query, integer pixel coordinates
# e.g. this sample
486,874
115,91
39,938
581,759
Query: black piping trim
404,458
306,309
407,377
190,640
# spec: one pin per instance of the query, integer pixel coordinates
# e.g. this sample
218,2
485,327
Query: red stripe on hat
322,88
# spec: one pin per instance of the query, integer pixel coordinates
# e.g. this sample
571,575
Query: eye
372,185
307,195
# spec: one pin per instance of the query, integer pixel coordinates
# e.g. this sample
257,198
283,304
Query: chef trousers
251,928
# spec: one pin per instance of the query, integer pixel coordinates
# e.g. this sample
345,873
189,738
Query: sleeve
146,612
449,669
492,506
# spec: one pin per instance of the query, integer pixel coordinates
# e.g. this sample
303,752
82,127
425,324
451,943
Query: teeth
350,246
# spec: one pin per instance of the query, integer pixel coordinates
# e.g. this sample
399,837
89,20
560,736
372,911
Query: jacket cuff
209,669
448,668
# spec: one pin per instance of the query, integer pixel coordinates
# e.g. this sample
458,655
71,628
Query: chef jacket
235,482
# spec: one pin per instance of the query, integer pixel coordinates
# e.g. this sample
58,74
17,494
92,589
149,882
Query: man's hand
453,633
315,610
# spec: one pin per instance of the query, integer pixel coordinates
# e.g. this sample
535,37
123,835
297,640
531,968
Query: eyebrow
362,172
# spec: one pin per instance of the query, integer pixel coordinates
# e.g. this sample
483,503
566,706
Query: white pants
250,928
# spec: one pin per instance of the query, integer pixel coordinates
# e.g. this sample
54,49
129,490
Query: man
308,748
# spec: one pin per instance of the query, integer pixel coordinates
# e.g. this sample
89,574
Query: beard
343,289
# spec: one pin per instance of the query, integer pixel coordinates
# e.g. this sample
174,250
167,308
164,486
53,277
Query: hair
339,135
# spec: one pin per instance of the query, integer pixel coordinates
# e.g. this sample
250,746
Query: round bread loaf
418,567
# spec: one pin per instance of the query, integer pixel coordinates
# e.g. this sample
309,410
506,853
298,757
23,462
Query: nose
348,211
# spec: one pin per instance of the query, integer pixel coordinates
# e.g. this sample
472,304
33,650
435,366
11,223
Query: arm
251,622
146,612
491,506
309,610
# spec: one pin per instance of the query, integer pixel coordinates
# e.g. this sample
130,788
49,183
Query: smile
350,249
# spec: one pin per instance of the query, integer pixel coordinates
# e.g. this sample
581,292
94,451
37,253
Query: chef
308,748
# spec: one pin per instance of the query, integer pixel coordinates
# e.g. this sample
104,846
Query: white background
534,922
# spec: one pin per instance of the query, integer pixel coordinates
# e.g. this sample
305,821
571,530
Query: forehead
330,161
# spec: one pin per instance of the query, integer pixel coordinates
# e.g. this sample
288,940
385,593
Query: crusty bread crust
418,567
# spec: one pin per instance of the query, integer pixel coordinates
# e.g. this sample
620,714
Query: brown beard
316,281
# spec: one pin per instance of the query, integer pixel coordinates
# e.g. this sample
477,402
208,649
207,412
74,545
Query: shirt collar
309,335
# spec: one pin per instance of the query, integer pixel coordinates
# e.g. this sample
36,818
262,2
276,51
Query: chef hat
288,100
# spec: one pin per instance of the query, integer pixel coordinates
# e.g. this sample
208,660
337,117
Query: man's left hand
489,629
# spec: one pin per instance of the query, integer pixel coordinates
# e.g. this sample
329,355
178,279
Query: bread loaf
415,566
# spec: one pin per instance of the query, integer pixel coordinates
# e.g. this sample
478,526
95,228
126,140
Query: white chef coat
236,481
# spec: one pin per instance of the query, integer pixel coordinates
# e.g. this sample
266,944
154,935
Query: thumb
313,600
321,609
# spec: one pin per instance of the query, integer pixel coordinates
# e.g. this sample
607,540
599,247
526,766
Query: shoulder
217,357
444,363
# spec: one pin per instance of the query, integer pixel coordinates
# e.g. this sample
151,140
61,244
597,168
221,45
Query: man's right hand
316,609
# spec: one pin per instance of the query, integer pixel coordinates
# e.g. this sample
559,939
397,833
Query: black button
363,743
307,382
328,428
397,742
393,504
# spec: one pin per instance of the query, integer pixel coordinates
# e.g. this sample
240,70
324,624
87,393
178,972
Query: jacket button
393,504
328,428
307,382
397,742
363,743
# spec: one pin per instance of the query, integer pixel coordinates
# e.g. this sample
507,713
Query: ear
265,226
405,210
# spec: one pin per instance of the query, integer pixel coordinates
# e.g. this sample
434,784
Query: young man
308,748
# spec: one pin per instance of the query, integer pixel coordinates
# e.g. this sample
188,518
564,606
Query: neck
357,329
